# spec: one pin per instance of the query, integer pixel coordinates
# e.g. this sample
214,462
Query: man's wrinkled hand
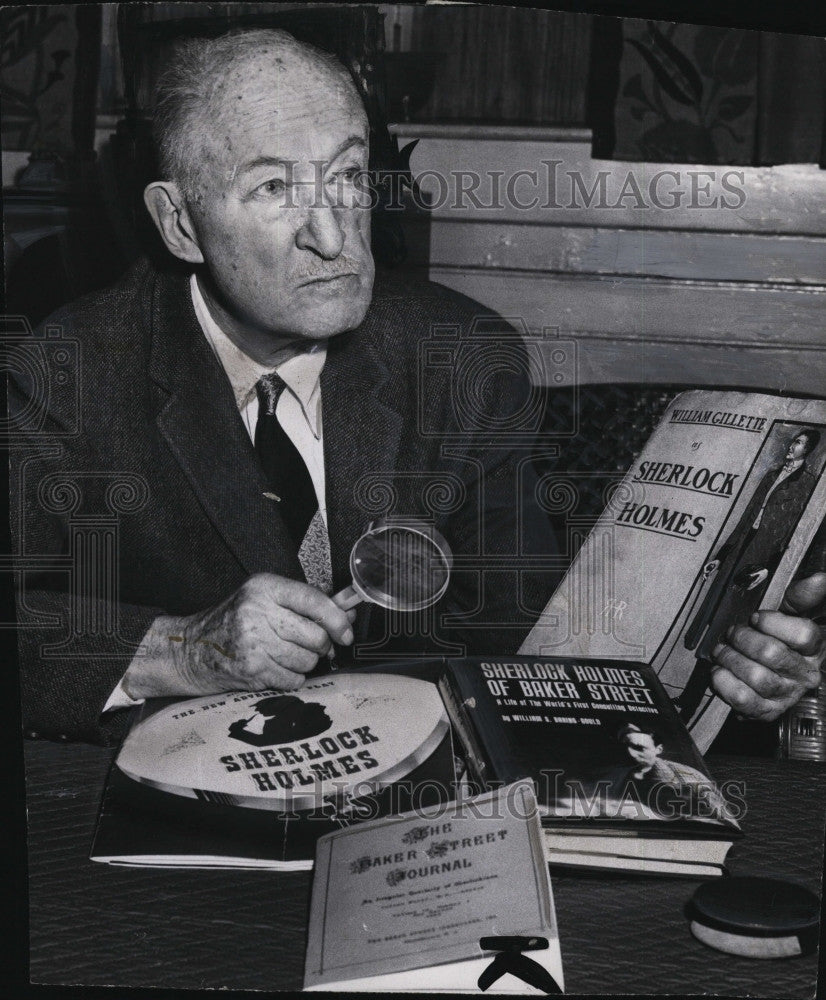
268,634
766,667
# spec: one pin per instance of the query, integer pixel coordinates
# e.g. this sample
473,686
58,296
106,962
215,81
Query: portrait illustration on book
737,576
646,782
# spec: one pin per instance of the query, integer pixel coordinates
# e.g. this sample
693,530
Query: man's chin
323,323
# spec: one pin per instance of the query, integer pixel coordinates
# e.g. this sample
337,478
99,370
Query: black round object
757,917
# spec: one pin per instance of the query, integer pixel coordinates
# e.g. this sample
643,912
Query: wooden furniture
653,272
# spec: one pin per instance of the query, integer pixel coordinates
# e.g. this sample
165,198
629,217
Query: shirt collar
301,373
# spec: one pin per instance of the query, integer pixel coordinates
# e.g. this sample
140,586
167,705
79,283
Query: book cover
599,738
710,524
252,779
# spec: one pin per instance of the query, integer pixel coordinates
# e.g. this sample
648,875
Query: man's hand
268,634
767,667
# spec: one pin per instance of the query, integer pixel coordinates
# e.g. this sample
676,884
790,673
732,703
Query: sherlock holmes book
252,779
619,781
714,519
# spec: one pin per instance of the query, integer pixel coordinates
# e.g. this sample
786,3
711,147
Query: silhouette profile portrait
281,718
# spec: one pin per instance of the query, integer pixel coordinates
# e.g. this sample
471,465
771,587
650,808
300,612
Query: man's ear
166,204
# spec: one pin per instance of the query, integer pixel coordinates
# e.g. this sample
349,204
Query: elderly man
206,390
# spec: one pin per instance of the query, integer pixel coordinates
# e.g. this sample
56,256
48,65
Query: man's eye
349,174
273,186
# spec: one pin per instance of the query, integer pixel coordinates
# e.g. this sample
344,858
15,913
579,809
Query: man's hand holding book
766,667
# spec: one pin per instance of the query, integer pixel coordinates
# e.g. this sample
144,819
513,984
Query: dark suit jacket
162,483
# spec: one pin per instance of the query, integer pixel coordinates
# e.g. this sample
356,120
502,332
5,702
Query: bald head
237,80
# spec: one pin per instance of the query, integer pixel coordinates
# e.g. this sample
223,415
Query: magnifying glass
398,563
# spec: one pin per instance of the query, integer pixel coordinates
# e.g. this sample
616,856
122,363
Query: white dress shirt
298,410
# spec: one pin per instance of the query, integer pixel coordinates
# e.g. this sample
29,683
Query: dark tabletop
96,924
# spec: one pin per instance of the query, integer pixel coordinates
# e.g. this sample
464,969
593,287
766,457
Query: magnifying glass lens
403,565
403,568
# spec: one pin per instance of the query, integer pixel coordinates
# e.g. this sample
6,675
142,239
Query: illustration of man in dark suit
647,785
241,412
745,563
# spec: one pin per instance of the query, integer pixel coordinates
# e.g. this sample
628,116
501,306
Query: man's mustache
326,269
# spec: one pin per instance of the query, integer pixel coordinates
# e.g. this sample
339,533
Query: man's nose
321,232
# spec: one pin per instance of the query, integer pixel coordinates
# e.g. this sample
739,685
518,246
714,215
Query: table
95,924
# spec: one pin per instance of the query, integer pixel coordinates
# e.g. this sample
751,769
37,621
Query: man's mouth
323,279
317,272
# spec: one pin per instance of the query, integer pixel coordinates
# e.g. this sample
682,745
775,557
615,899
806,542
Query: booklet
436,899
711,523
252,778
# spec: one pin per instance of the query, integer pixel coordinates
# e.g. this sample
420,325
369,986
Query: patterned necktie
291,482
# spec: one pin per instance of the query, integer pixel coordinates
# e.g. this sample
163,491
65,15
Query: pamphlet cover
422,890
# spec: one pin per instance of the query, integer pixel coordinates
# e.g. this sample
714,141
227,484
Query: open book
711,523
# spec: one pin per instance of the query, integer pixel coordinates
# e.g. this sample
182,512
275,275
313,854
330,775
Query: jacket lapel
361,438
200,422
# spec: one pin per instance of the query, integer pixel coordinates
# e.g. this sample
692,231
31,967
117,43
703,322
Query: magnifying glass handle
346,599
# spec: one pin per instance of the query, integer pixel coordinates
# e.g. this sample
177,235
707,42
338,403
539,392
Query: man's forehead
269,110
284,84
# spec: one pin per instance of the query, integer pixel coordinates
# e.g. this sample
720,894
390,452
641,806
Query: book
252,779
619,782
710,524
411,902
